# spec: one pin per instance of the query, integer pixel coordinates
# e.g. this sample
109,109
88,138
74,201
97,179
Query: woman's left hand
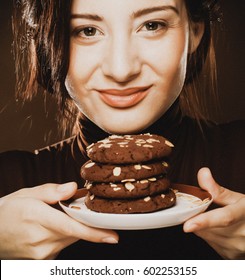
222,228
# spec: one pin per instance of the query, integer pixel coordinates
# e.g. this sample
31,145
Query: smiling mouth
123,98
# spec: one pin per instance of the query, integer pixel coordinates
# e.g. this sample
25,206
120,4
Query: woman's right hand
32,229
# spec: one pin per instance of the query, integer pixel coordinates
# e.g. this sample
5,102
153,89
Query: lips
123,98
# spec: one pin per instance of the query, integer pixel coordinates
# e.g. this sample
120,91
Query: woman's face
127,60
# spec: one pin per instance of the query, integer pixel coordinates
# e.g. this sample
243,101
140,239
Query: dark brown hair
41,29
200,90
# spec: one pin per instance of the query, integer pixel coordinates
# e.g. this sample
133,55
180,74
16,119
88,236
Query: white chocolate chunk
137,166
152,140
107,146
90,146
89,165
117,171
105,141
169,144
153,179
116,137
146,167
140,141
128,180
143,181
88,186
129,186
148,146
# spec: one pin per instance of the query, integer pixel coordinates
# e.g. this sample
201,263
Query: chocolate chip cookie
129,206
129,149
98,172
128,174
129,188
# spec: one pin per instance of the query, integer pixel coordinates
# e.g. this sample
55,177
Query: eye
154,26
88,32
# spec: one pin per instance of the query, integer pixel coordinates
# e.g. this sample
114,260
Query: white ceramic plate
190,202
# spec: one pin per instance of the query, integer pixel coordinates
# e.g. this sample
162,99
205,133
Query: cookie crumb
75,207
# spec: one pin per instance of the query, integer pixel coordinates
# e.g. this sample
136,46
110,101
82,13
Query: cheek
168,57
83,63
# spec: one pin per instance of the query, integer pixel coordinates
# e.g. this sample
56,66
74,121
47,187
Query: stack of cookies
128,174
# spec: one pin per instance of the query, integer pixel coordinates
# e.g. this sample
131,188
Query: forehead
129,7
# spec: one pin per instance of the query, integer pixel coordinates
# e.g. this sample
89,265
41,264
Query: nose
121,62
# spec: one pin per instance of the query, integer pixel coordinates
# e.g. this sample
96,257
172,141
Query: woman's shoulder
55,163
231,130
231,133
228,126
21,156
226,150
234,129
219,138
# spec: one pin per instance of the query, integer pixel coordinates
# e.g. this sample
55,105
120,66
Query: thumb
50,193
221,195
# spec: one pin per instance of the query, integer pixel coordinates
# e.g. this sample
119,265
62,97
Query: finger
211,237
226,246
221,195
214,241
220,217
68,227
49,193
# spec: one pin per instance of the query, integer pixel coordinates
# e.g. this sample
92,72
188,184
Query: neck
90,132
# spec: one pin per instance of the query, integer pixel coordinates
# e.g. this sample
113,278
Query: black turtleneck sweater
219,147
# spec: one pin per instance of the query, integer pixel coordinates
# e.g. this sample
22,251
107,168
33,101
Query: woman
129,67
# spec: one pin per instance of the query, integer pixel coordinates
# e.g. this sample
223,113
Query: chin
131,121
126,127
123,131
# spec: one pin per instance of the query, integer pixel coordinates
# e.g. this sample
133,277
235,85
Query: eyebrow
155,9
87,16
134,15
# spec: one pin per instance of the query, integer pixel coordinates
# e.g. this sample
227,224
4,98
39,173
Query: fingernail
190,227
110,240
64,187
